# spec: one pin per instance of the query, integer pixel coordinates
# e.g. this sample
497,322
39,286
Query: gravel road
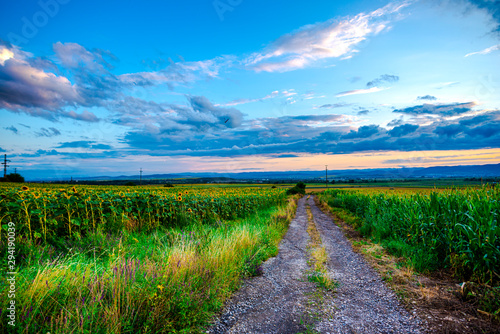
279,300
363,303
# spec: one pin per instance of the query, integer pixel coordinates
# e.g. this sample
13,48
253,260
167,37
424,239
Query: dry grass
319,257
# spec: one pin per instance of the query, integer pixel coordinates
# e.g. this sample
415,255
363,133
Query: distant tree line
13,177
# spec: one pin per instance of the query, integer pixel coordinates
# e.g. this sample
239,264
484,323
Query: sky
91,89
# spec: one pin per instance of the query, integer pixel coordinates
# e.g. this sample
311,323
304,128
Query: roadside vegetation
455,230
142,260
319,257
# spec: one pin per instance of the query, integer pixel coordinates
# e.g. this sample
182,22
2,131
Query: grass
453,230
319,257
168,280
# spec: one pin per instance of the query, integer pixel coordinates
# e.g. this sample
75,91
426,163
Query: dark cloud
287,156
363,112
204,112
438,109
82,78
38,87
32,90
402,130
427,97
396,122
11,128
72,156
385,78
476,120
449,130
50,132
84,144
486,131
307,134
26,126
363,132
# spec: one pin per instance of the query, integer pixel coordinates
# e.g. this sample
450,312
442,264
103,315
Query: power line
326,175
5,165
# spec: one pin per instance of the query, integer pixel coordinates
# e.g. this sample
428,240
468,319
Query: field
102,259
106,259
433,229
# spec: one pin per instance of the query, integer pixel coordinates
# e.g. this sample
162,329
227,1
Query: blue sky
91,89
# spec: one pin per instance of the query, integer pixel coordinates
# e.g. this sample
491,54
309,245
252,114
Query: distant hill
476,171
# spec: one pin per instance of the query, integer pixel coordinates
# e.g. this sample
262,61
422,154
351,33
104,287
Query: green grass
456,230
168,280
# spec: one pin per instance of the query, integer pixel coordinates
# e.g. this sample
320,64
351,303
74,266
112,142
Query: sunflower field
112,259
49,213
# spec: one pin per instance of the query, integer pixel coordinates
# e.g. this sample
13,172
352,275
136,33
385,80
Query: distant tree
15,177
130,183
168,185
299,188
332,182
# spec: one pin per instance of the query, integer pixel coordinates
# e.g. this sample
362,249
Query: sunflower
190,211
179,198
186,192
24,188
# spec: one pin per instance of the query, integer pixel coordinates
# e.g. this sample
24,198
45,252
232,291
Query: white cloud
361,91
485,51
329,39
25,86
5,54
179,73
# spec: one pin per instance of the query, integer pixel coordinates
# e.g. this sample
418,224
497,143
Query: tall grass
167,280
455,229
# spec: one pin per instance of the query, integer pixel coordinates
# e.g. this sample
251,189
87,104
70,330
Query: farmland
433,229
134,260
149,259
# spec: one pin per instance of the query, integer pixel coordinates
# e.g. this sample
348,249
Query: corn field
456,228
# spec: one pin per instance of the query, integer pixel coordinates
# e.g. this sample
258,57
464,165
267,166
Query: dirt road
282,300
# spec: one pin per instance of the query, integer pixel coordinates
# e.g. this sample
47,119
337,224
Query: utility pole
326,173
5,165
15,170
140,178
